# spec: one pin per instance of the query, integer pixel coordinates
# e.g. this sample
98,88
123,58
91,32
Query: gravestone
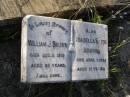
60,50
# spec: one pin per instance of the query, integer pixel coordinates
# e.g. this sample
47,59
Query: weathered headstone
91,48
57,50
45,54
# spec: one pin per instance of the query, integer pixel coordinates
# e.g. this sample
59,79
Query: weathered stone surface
91,51
47,38
44,49
18,8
